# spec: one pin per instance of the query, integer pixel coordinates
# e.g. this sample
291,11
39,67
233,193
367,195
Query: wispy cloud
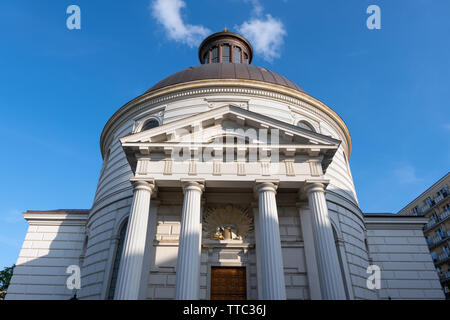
406,174
168,13
257,8
264,31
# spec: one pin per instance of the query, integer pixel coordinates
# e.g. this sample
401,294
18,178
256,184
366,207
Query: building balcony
430,224
425,208
436,221
434,202
444,276
437,240
442,258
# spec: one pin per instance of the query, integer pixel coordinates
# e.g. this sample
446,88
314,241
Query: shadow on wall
40,271
48,250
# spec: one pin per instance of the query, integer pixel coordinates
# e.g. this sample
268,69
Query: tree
5,278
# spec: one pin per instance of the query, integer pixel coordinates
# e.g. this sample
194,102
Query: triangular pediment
226,120
218,127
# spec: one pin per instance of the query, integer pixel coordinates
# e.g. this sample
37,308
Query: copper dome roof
225,71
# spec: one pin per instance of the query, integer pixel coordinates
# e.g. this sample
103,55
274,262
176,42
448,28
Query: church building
225,181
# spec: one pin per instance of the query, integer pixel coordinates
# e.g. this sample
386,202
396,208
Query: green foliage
5,278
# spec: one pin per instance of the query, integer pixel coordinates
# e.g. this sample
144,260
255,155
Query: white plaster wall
347,219
294,259
163,262
40,272
114,191
99,256
407,270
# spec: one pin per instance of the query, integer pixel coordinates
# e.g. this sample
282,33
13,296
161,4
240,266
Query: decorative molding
394,222
56,218
265,168
241,169
220,217
157,114
289,163
142,166
315,167
220,102
168,164
192,168
217,168
248,87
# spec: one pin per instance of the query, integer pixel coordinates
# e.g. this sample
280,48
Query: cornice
211,86
55,218
394,222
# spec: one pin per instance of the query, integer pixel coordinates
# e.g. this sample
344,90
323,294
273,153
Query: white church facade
225,181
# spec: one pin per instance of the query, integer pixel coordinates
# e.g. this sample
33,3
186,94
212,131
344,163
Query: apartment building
434,204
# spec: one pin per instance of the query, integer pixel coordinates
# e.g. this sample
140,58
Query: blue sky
58,87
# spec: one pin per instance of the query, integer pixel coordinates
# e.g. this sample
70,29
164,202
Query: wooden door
228,283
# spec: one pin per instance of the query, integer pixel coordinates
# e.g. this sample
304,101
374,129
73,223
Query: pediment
227,125
226,121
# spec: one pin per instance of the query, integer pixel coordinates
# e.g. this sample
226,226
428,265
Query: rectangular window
237,55
215,55
226,54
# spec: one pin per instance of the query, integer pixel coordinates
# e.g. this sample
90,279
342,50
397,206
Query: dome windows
215,55
150,124
225,54
206,58
237,55
225,47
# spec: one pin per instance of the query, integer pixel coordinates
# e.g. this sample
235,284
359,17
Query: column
132,261
331,283
189,249
270,256
257,250
312,271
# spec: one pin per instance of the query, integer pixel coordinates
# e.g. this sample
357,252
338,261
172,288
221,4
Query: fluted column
270,256
132,260
331,283
188,263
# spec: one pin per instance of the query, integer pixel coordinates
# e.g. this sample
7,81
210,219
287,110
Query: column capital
265,185
193,184
315,186
146,185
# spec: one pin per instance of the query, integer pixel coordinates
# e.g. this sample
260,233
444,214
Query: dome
233,71
225,55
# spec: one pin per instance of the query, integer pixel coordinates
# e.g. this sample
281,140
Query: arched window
150,124
118,256
305,125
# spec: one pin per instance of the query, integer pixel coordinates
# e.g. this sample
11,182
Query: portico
297,169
